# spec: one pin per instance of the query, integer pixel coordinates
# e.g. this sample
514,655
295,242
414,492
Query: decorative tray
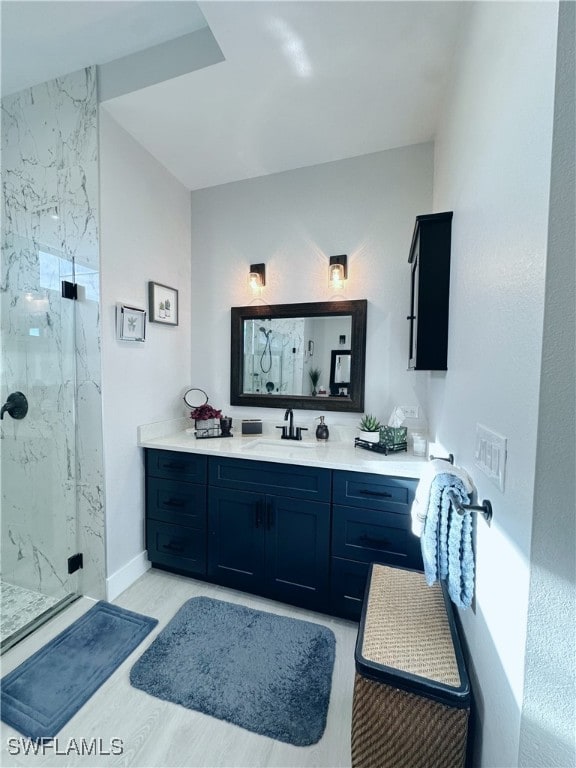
380,447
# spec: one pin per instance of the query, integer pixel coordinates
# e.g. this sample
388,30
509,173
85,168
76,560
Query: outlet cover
490,454
410,411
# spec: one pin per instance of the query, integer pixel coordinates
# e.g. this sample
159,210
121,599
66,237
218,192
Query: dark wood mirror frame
358,312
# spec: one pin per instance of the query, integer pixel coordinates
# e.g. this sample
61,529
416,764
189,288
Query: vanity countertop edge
338,455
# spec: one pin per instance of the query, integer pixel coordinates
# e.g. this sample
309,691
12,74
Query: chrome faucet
290,432
289,416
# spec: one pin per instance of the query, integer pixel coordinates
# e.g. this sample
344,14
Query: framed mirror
308,356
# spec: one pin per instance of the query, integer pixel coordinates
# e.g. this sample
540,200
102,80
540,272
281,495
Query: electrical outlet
490,454
410,411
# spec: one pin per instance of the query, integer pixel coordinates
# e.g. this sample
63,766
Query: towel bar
485,509
449,458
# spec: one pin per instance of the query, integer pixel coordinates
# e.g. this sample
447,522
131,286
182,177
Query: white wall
145,235
492,167
293,221
548,732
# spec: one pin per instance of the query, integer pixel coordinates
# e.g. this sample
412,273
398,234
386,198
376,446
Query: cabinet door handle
381,494
258,514
365,539
174,503
171,547
270,514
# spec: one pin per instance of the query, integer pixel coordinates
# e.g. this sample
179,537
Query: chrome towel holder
484,509
449,458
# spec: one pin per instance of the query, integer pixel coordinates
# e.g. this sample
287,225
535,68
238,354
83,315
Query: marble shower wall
51,462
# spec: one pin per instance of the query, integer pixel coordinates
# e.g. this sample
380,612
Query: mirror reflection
297,356
307,355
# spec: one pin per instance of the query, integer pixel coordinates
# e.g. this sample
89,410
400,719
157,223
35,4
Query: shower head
265,332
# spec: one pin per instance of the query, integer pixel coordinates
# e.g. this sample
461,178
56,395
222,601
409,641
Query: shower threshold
24,611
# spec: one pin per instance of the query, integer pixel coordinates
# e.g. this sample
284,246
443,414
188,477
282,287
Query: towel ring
485,509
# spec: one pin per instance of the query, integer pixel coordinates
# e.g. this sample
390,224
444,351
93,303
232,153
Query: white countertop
334,454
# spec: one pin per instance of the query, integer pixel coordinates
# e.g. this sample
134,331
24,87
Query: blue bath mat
46,690
269,674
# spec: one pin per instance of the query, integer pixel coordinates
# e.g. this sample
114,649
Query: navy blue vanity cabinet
236,539
370,524
176,510
269,529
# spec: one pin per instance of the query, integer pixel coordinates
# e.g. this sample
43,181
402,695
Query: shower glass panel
37,452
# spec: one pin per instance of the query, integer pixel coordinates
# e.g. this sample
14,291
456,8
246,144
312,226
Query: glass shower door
37,452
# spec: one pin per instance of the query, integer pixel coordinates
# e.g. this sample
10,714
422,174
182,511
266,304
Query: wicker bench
411,692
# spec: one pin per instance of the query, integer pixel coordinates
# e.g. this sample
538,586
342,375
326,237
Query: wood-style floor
156,733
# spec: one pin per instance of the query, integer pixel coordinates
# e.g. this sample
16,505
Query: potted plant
370,428
206,420
314,374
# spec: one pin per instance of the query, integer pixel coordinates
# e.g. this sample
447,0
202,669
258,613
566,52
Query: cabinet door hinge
69,290
75,562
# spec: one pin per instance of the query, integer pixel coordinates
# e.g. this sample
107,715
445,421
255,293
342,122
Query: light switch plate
410,411
490,454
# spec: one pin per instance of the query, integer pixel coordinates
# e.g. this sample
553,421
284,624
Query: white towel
422,498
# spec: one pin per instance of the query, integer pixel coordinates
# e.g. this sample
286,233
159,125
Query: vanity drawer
176,546
280,479
347,586
371,536
176,465
173,502
360,489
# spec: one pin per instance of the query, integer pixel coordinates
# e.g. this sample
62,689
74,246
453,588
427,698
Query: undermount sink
279,443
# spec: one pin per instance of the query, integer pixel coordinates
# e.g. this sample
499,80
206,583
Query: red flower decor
204,412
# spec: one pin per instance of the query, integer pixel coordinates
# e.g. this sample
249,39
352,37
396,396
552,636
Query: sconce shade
338,271
257,276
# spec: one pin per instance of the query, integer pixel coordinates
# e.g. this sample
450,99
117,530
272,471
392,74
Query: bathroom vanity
296,523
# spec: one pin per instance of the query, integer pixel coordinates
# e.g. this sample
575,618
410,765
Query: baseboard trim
126,576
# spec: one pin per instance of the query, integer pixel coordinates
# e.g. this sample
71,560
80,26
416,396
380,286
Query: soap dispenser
322,432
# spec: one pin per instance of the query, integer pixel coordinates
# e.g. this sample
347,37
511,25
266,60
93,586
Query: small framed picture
162,304
130,323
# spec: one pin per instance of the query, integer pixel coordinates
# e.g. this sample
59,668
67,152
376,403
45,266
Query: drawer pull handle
382,494
174,503
174,465
374,542
171,547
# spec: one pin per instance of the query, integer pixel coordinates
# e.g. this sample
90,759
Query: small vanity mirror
299,355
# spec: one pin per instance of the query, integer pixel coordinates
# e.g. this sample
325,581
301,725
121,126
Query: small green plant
370,423
314,374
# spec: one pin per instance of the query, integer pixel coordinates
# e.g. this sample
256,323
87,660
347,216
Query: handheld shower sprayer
267,351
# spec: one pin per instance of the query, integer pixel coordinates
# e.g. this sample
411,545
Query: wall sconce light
257,276
338,271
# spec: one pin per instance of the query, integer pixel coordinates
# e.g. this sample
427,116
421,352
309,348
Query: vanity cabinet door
236,531
371,523
176,511
176,547
297,551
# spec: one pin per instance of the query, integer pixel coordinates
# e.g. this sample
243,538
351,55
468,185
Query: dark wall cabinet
303,535
430,292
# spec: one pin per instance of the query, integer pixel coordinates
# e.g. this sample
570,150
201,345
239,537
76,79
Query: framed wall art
130,323
162,304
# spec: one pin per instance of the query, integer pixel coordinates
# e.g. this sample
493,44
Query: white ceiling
302,82
43,39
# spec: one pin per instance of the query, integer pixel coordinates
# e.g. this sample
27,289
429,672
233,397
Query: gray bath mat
46,690
269,674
